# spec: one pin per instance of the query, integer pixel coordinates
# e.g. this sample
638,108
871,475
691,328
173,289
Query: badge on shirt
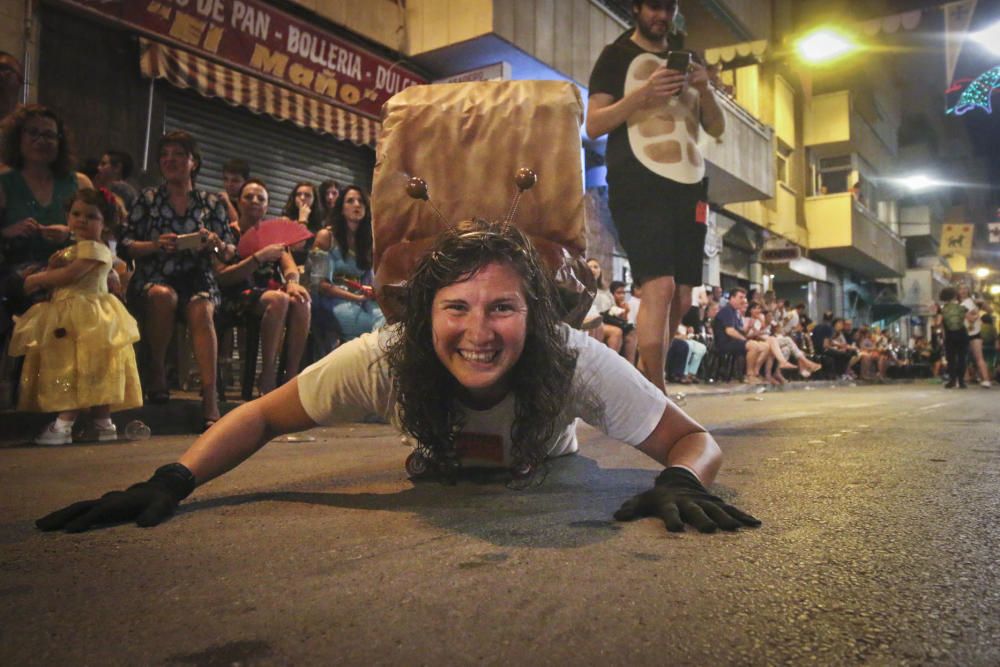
701,213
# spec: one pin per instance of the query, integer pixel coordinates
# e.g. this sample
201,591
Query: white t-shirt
791,322
976,325
604,300
633,308
607,393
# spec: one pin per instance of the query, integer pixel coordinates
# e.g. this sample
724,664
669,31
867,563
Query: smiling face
253,203
479,327
353,206
85,221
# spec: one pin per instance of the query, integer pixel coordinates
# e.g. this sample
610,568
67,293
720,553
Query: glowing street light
994,289
989,38
982,272
918,182
824,45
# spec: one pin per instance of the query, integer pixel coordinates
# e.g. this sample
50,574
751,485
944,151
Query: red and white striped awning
186,70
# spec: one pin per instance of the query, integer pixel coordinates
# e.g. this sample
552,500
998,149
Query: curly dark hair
541,378
13,127
363,237
291,210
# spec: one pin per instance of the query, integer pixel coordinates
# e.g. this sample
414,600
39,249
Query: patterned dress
188,272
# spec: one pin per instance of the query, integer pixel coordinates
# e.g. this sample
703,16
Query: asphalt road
878,547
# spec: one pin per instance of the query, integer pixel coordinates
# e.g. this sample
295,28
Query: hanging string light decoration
978,93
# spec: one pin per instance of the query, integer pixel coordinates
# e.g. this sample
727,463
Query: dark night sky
984,127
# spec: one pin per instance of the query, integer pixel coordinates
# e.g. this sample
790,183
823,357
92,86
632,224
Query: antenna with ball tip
525,179
416,187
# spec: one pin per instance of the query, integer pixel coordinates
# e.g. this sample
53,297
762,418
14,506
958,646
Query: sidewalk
182,415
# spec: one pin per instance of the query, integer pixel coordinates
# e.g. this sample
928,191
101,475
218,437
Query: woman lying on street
479,371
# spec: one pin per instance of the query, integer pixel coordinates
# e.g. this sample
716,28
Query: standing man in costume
656,172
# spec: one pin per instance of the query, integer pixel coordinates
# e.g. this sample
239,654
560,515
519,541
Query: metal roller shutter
280,154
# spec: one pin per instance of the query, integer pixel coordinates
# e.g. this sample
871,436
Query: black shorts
655,219
732,346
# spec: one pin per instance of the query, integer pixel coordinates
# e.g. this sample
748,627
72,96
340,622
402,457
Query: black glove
148,503
678,498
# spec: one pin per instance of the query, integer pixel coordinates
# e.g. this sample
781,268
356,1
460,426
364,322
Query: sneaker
962,385
985,384
50,436
106,434
950,384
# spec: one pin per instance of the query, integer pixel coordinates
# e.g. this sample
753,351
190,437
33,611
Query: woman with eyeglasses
35,192
479,372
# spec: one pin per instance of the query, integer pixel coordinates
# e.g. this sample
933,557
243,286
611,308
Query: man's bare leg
679,305
651,327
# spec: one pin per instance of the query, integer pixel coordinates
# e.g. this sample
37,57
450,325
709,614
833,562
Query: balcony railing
847,234
740,163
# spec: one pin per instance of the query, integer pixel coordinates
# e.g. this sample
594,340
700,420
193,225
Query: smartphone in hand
679,61
190,241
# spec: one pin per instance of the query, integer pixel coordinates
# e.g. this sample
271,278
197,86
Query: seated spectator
611,334
690,352
731,338
843,354
788,350
173,279
329,191
235,172
267,283
303,206
634,300
113,172
34,144
790,321
866,340
886,349
758,327
621,311
346,290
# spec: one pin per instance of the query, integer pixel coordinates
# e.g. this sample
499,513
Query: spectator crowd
215,267
294,286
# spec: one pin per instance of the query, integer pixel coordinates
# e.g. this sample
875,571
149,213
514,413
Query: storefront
293,99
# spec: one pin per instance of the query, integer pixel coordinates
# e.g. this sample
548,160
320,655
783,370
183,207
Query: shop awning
737,55
889,312
186,70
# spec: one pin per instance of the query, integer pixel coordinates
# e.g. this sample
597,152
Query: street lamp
989,38
982,272
918,182
823,45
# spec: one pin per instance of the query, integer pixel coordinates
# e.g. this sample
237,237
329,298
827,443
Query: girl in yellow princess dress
78,344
